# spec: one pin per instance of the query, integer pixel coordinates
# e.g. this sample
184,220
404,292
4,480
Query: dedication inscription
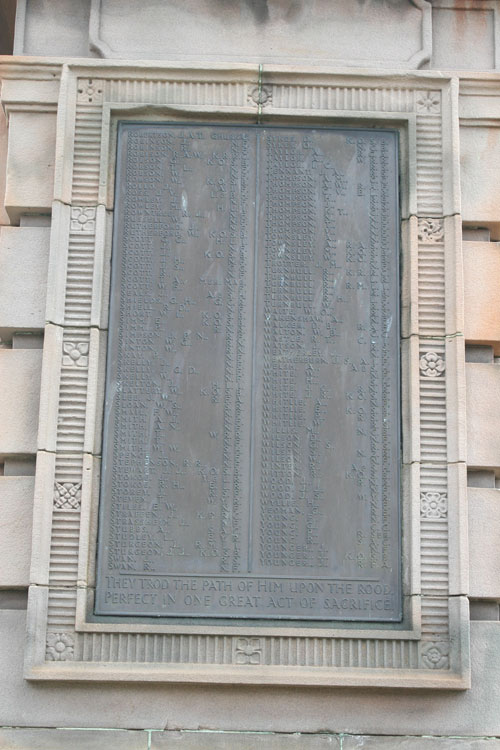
251,435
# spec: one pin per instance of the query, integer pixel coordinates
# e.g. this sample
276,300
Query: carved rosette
431,365
248,651
429,102
433,505
89,91
83,219
435,655
75,354
67,495
430,230
60,647
260,95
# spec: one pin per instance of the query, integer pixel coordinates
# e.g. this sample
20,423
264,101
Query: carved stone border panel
430,649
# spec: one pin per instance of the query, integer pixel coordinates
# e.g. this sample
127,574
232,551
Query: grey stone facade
431,69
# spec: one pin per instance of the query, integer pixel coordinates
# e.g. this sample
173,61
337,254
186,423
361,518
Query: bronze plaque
251,444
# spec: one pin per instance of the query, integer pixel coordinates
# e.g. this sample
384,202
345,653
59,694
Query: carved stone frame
65,641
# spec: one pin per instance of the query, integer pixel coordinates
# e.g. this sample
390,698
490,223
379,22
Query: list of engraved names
251,425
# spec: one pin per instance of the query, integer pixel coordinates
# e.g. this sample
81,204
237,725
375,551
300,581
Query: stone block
95,391
18,91
4,219
482,300
483,415
77,739
455,32
478,103
24,257
49,389
30,163
420,743
480,175
484,550
16,512
456,417
242,740
61,26
458,536
20,371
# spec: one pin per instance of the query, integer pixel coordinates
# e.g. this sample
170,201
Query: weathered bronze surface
251,437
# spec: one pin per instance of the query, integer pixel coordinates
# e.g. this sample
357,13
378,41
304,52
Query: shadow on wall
7,20
287,9
260,8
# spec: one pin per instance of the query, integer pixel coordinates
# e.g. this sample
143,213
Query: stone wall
456,39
